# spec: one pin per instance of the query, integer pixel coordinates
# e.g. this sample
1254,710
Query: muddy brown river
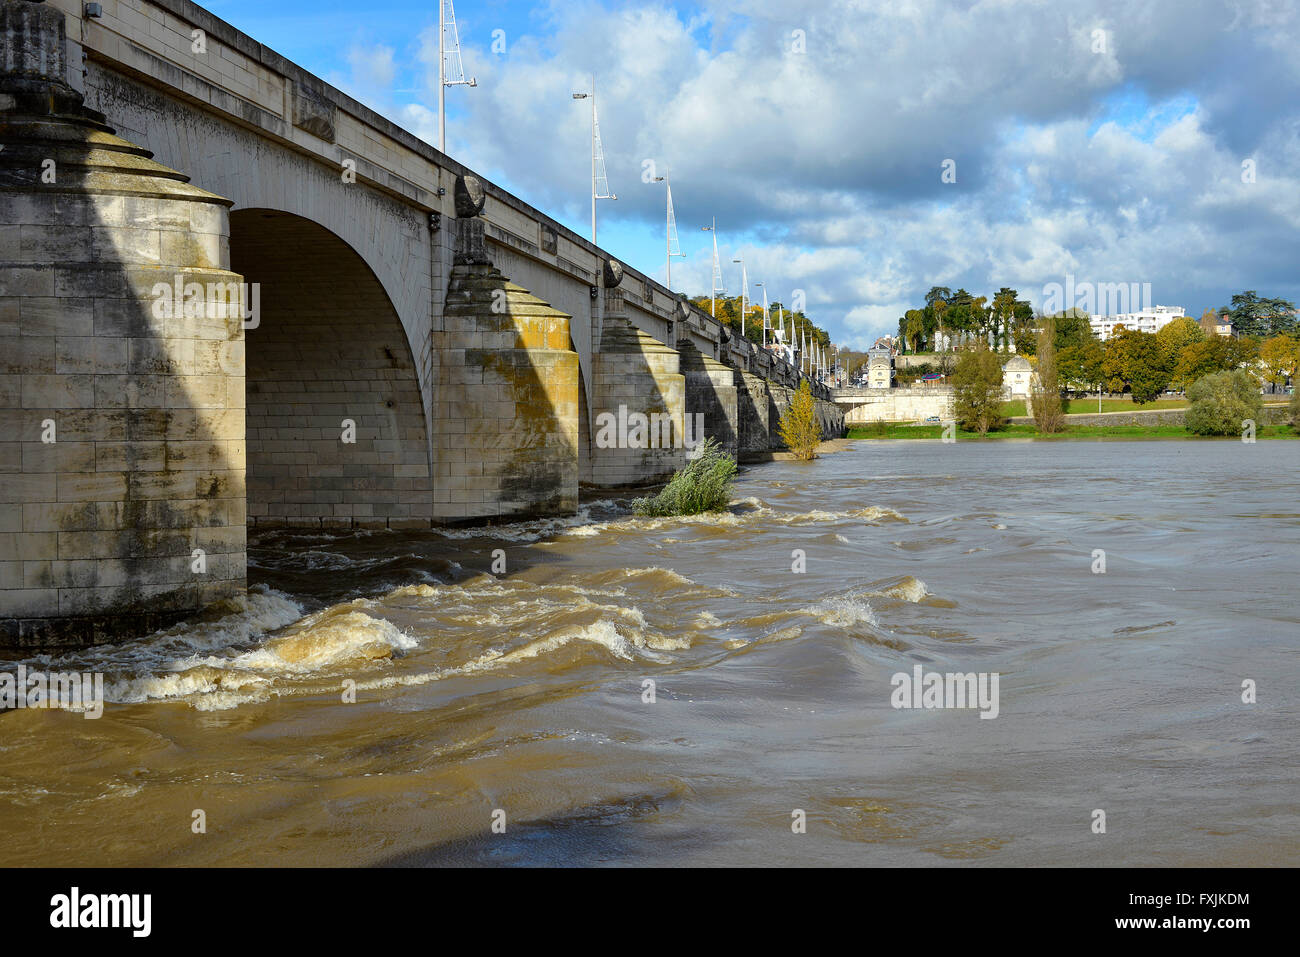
676,691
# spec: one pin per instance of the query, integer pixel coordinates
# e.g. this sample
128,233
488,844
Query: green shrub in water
703,486
1222,401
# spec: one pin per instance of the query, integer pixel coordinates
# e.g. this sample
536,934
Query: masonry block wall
831,418
779,397
864,406
635,373
711,391
752,404
121,488
336,428
506,427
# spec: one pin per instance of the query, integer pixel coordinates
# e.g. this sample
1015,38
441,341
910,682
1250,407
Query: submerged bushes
1222,401
703,486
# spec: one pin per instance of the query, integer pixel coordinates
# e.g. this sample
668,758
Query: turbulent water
521,698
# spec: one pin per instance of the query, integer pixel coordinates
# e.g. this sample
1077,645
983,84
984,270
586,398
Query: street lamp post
670,230
597,157
744,291
715,283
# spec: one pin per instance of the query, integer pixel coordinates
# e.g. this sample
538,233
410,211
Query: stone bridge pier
122,494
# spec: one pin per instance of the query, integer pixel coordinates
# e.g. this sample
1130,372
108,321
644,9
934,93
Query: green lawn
887,431
1084,406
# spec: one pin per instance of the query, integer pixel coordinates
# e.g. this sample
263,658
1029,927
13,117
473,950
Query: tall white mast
744,291
446,24
599,181
672,244
716,284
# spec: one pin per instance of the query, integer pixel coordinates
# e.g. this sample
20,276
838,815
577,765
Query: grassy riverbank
888,431
1016,407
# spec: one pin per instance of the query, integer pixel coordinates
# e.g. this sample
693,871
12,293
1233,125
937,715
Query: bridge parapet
231,74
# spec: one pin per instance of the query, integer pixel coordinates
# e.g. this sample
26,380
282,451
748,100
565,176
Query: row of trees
1220,403
960,318
1147,364
1006,320
750,325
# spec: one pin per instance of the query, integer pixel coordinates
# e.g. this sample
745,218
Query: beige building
880,368
1017,377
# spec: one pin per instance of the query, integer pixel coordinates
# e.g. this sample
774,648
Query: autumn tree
798,427
1280,357
1172,339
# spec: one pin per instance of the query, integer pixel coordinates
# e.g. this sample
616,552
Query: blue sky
1101,139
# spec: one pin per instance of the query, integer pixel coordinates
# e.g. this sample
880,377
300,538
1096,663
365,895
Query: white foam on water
216,674
326,639
265,648
532,530
844,612
909,589
740,512
874,513
754,512
260,611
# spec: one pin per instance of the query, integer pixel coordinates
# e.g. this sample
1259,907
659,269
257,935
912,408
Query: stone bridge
864,406
230,295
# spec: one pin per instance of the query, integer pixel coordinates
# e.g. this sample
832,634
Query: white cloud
828,162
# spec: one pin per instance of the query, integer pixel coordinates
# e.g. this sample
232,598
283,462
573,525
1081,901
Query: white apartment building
1148,320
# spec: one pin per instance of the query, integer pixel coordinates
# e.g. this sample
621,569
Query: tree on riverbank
1222,402
1254,315
1172,340
703,486
1133,360
1280,358
799,428
1048,414
977,390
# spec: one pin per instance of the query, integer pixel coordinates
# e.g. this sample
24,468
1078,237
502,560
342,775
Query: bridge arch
336,428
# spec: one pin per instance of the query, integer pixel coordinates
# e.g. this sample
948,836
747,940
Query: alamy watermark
658,430
931,689
69,691
75,909
214,300
1096,298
